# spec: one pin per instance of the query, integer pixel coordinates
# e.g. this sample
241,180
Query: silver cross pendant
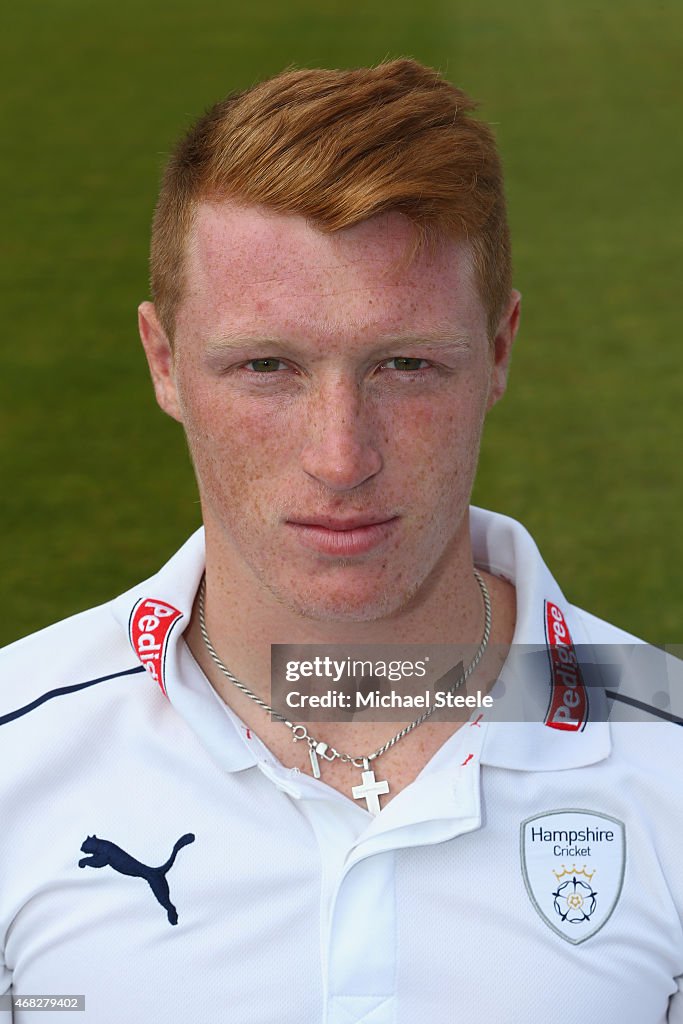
369,790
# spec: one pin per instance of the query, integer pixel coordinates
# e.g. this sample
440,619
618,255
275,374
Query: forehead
249,268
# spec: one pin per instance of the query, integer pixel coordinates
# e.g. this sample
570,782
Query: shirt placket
361,954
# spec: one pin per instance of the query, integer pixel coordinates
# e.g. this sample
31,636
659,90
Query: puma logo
104,853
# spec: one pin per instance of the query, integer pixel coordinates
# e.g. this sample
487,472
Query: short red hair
339,147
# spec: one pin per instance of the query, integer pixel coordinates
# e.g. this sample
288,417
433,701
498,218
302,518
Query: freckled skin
335,428
338,426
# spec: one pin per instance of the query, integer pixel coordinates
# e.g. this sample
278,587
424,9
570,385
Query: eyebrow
440,340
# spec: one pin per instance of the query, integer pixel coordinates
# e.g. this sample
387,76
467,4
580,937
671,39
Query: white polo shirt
157,859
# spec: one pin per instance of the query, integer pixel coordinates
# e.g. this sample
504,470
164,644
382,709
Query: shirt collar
503,547
154,615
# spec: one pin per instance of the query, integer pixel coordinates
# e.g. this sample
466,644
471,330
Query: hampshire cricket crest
573,865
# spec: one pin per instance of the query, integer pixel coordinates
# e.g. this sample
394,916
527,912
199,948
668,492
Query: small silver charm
315,767
313,750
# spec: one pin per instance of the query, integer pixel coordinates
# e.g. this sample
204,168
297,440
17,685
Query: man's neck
242,631
244,618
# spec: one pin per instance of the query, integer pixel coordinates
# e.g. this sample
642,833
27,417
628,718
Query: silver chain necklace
370,789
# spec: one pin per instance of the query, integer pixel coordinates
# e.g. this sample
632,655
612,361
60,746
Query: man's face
333,397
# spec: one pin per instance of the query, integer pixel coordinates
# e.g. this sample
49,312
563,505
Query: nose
339,449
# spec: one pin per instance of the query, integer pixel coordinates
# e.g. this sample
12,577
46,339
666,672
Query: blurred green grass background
97,489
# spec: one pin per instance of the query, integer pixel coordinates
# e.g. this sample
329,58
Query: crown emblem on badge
574,871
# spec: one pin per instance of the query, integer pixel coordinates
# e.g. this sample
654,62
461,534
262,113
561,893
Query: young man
332,320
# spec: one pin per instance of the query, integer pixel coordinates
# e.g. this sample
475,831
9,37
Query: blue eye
406,363
264,365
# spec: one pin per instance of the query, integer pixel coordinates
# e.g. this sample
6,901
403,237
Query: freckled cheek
405,423
435,451
237,456
430,436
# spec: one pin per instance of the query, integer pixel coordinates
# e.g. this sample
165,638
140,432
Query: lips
339,524
343,536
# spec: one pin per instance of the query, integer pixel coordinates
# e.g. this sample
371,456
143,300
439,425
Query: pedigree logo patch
568,707
573,865
151,623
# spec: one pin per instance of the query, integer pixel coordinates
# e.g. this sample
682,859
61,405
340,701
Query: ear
501,349
160,359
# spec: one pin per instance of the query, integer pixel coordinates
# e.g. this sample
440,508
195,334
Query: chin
344,604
